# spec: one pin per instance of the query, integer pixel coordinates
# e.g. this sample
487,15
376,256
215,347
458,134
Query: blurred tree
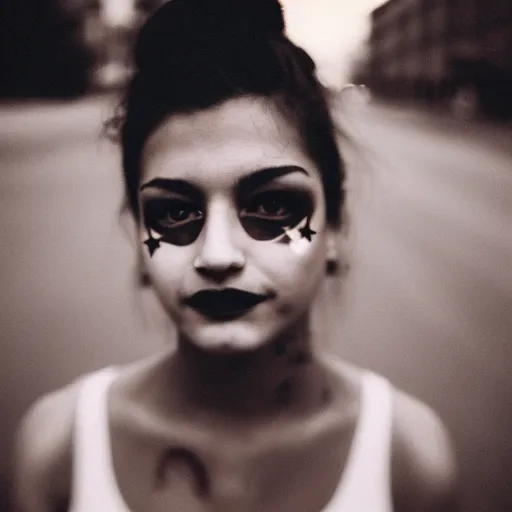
42,50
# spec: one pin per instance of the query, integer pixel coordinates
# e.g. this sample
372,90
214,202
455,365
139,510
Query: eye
267,215
271,206
179,213
167,214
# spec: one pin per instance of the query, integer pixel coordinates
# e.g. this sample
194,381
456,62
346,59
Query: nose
219,256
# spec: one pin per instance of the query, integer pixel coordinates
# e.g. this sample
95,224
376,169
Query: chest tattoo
192,460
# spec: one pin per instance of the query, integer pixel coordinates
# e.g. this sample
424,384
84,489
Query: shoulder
42,451
423,460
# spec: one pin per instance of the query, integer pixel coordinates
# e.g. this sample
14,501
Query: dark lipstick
225,303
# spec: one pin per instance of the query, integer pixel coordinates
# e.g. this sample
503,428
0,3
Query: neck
282,378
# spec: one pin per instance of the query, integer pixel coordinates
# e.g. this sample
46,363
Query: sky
331,31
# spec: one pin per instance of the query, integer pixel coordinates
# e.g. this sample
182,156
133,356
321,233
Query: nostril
221,262
218,274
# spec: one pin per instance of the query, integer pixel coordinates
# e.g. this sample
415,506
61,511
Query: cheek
295,268
297,263
167,270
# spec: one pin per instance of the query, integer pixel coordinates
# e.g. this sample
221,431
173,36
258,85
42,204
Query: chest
190,472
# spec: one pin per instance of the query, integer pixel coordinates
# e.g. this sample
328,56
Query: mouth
224,304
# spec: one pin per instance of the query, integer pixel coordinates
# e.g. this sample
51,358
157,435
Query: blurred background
422,88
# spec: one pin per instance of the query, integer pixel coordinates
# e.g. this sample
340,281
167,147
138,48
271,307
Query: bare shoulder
424,473
423,461
42,451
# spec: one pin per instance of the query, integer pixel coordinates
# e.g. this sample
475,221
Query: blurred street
428,300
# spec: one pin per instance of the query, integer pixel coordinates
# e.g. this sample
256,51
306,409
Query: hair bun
182,24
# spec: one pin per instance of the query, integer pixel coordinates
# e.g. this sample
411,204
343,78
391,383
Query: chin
233,337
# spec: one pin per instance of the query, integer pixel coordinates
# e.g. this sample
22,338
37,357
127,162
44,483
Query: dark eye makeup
179,222
264,215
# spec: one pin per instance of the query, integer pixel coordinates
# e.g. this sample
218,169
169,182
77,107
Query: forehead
221,144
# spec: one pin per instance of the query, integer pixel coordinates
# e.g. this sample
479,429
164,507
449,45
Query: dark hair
195,54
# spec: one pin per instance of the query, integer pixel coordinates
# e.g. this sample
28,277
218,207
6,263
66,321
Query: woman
234,191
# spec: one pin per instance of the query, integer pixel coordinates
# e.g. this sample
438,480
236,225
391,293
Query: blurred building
42,53
66,48
452,52
110,30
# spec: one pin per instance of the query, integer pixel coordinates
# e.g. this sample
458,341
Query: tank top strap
94,485
366,480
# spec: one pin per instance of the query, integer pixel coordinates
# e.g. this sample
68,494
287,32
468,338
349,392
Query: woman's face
233,221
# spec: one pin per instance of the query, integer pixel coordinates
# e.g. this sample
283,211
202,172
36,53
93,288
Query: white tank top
365,485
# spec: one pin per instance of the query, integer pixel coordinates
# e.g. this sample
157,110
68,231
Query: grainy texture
431,224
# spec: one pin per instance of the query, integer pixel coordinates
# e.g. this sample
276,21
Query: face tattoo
281,214
177,218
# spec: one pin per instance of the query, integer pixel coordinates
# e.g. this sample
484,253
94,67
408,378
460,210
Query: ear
332,253
336,257
130,227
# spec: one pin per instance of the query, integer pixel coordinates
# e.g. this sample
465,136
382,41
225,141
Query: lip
224,304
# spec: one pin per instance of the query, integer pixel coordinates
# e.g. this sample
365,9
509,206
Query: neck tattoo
284,393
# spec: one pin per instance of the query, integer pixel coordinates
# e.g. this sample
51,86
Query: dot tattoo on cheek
202,484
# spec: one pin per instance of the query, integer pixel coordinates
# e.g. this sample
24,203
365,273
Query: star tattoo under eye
306,231
152,244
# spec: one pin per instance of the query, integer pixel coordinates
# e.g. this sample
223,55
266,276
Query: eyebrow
172,185
261,177
245,184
